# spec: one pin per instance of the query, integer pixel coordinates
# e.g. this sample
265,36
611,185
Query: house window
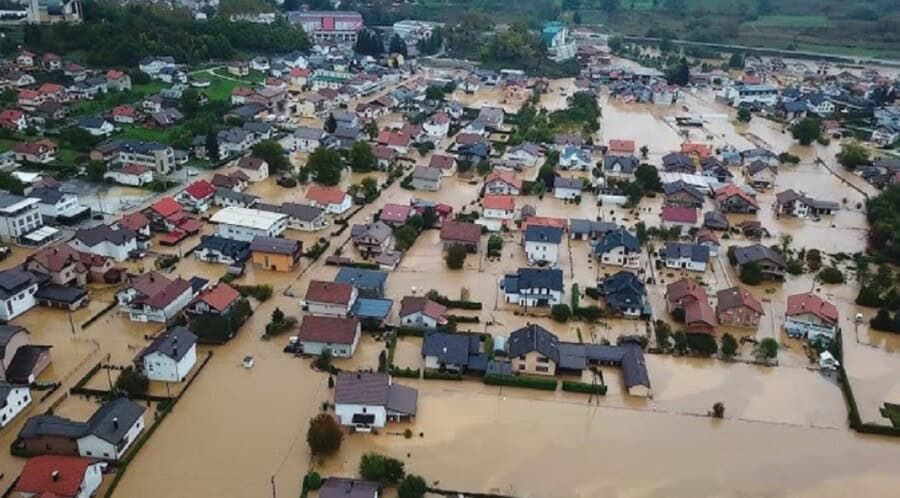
521,367
542,359
522,357
542,369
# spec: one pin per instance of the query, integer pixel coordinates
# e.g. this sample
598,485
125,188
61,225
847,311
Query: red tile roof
731,190
124,110
699,313
395,213
393,138
134,221
326,329
135,169
329,292
679,214
29,94
201,189
166,207
416,304
114,74
624,146
685,288
55,258
219,297
37,475
545,221
453,231
51,88
702,150
736,297
441,161
325,195
506,177
800,304
504,202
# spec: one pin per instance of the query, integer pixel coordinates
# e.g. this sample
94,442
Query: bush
438,375
260,292
544,384
456,257
702,344
751,273
767,349
413,486
132,382
831,275
463,319
869,296
379,468
583,387
795,267
495,245
729,345
324,436
312,481
561,312
405,372
590,313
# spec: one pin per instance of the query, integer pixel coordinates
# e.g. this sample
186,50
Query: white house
304,217
134,175
689,257
531,287
15,399
811,317
153,297
437,126
18,216
332,200
330,298
619,248
422,312
255,168
56,205
366,400
112,429
61,476
741,94
542,244
104,240
573,157
567,188
17,289
338,335
308,139
525,153
245,224
498,210
170,357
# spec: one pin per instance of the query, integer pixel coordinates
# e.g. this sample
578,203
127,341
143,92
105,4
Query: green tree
831,275
212,147
495,245
729,345
96,170
330,123
736,61
371,129
398,46
429,217
412,486
456,257
744,115
272,152
132,382
751,273
362,158
644,151
11,184
434,93
561,312
853,155
405,236
647,176
663,334
766,350
324,435
576,296
380,468
807,130
190,102
326,166
368,42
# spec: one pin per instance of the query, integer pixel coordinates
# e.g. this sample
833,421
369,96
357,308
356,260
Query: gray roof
12,281
534,278
371,388
758,252
618,238
696,253
378,231
7,332
582,226
104,233
112,420
534,338
426,173
242,197
361,278
402,399
627,163
174,343
7,199
51,425
309,133
274,245
537,233
563,182
339,487
453,348
303,212
47,195
678,186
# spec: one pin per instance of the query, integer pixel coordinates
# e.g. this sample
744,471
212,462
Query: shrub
324,436
767,349
312,481
583,387
729,345
495,245
405,372
545,384
592,292
260,292
751,273
456,257
590,313
702,344
412,486
132,381
869,296
561,312
438,375
831,275
463,319
379,468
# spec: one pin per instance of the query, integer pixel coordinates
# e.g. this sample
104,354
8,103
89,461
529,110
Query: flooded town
352,264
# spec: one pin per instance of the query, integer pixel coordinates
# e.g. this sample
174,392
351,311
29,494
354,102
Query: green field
791,22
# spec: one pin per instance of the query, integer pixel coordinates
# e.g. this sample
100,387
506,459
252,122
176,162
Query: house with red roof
437,126
699,318
153,297
51,62
299,76
419,311
53,91
41,151
30,99
165,215
13,119
810,317
395,214
620,147
124,114
240,94
118,81
135,175
502,183
497,210
455,233
338,335
444,162
737,307
256,168
332,200
218,300
396,140
60,476
330,298
683,217
197,197
682,292
697,152
137,223
385,156
733,199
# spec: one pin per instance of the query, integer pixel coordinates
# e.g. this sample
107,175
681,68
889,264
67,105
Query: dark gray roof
426,173
22,365
51,425
627,163
534,278
7,332
624,290
534,338
537,233
235,249
402,399
581,226
450,347
361,278
242,197
274,245
100,233
715,220
308,133
370,388
563,182
60,293
14,280
173,343
677,161
572,356
758,252
112,420
47,195
7,199
678,186
303,212
339,487
618,238
378,231
696,253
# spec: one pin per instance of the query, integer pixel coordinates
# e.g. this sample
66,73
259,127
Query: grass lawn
146,134
253,77
791,22
112,99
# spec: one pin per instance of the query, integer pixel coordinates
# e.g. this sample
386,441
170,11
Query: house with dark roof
625,294
770,261
567,188
364,400
533,350
13,400
737,307
58,206
340,336
305,217
170,357
798,204
760,175
453,352
59,476
713,167
17,292
533,287
425,178
339,487
419,311
541,244
691,257
618,248
682,194
215,249
372,238
583,229
619,167
61,263
677,162
714,220
329,298
276,254
153,297
369,283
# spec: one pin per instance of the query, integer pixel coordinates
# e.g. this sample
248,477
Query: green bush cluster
438,375
544,384
583,387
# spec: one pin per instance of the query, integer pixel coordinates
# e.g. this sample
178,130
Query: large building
51,11
555,37
338,26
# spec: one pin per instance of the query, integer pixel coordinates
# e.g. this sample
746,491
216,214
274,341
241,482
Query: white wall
18,304
542,251
105,248
18,399
418,319
345,413
247,234
92,446
161,368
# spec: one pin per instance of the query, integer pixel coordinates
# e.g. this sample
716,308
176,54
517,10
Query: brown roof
453,231
134,221
329,292
800,304
251,162
56,258
219,297
699,312
737,297
415,304
328,329
441,161
163,297
676,291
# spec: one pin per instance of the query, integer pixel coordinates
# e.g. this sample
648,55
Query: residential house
372,239
453,352
124,114
467,235
681,217
215,249
276,254
58,206
118,81
620,167
13,120
368,283
792,203
712,167
96,126
443,162
474,153
255,168
395,215
682,292
422,312
733,199
714,220
811,317
153,297
760,175
330,298
542,244
736,307
337,335
304,216
332,200
197,197
218,300
682,194
425,178
699,318
691,257
581,229
707,238
678,163
497,211
567,188
308,139
625,294
170,357
13,400
40,151
159,157
437,126
19,216
226,197
245,223
526,153
533,287
563,140
575,158
365,400
117,244
502,183
619,248
59,476
61,263
771,262
533,350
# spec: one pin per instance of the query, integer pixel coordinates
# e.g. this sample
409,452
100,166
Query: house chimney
54,475
115,422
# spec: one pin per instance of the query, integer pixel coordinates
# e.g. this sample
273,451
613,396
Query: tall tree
326,166
212,147
398,46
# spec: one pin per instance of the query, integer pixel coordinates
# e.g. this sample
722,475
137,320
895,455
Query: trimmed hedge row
517,381
463,319
574,386
406,372
438,375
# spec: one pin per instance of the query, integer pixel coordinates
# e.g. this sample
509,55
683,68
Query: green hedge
463,319
518,381
409,332
438,375
583,387
406,372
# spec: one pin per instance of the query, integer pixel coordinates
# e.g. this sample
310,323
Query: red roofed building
736,307
395,214
683,217
124,114
215,301
699,318
467,235
30,99
41,151
338,335
418,311
623,147
58,476
443,162
53,91
503,183
397,141
682,292
733,199
545,221
698,152
165,215
198,196
468,138
332,200
153,297
135,222
329,298
811,317
13,119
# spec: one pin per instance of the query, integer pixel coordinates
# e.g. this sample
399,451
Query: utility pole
272,480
